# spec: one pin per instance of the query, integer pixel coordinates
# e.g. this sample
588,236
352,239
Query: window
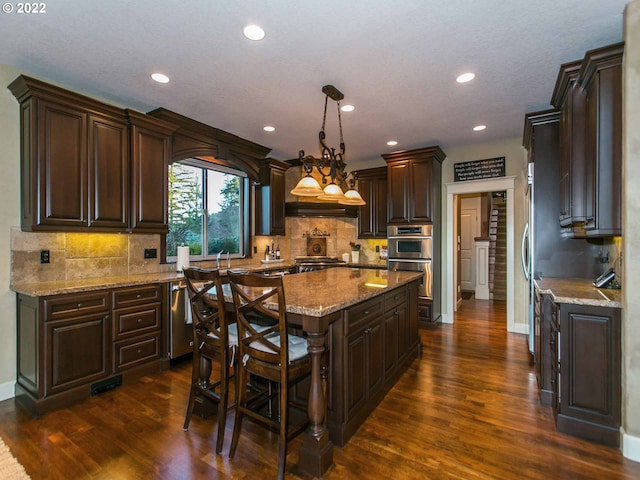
206,209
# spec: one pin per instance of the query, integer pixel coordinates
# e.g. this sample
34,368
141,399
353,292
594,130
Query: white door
469,230
467,253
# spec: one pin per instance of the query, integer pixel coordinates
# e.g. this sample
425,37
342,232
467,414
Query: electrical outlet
377,248
255,249
44,256
150,253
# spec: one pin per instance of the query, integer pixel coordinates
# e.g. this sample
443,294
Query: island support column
316,452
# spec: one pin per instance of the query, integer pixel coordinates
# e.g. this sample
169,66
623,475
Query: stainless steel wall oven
411,248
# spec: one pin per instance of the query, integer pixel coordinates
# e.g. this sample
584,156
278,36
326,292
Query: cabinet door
356,367
108,173
366,223
62,166
150,152
77,352
399,192
590,365
379,212
422,190
390,342
270,204
375,357
604,125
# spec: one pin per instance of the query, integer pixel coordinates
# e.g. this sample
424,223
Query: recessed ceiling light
479,128
269,128
347,108
392,143
465,77
253,32
160,77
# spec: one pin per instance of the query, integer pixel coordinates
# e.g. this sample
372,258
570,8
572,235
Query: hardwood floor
468,409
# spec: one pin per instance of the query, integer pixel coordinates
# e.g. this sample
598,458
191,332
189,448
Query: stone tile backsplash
75,256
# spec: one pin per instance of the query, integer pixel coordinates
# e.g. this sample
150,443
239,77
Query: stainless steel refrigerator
546,251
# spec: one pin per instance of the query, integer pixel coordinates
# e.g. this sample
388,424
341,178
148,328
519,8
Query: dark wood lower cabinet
69,343
589,371
372,345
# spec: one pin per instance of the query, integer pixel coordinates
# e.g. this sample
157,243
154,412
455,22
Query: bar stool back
271,354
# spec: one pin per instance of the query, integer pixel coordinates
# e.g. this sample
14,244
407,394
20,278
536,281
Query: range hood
318,209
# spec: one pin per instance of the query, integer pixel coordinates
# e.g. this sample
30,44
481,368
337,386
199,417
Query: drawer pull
139,320
366,312
139,351
139,295
79,305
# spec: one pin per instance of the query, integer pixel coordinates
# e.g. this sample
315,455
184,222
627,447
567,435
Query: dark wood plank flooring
468,409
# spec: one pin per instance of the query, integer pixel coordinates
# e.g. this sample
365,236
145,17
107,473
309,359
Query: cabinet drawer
395,298
130,353
359,315
126,297
424,310
72,305
136,320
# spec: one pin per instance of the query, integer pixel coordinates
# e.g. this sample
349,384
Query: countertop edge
559,290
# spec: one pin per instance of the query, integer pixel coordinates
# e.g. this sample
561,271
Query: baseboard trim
520,328
7,390
631,447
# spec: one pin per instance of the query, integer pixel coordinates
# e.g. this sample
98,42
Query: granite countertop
579,291
343,287
43,289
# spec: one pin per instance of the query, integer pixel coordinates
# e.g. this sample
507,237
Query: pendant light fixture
336,176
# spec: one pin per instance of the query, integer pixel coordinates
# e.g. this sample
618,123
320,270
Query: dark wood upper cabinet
270,198
75,160
601,78
89,166
414,185
372,217
108,173
570,99
150,153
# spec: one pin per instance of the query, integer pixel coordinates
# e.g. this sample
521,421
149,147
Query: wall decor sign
478,169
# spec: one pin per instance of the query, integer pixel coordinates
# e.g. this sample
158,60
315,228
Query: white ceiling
395,61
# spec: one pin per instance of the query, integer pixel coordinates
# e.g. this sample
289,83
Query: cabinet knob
79,305
366,312
139,352
139,295
139,320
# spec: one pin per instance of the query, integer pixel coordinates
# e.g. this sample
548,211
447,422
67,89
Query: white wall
9,216
515,165
631,235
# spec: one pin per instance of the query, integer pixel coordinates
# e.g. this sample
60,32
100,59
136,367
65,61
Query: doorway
449,286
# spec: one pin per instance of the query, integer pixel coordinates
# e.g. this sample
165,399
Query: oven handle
409,260
410,237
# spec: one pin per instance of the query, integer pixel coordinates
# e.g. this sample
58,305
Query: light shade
332,192
352,197
307,187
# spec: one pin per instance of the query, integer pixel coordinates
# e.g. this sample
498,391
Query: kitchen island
361,326
362,329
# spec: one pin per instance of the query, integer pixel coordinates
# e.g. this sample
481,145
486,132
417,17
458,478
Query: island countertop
316,293
323,292
579,291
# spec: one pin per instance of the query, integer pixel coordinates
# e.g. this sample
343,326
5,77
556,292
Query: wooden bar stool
271,354
214,340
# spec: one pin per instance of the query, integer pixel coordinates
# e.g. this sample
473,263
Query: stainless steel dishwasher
181,329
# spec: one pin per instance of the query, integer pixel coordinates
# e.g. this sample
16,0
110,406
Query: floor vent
104,385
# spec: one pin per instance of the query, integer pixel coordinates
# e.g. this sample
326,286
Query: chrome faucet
218,258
